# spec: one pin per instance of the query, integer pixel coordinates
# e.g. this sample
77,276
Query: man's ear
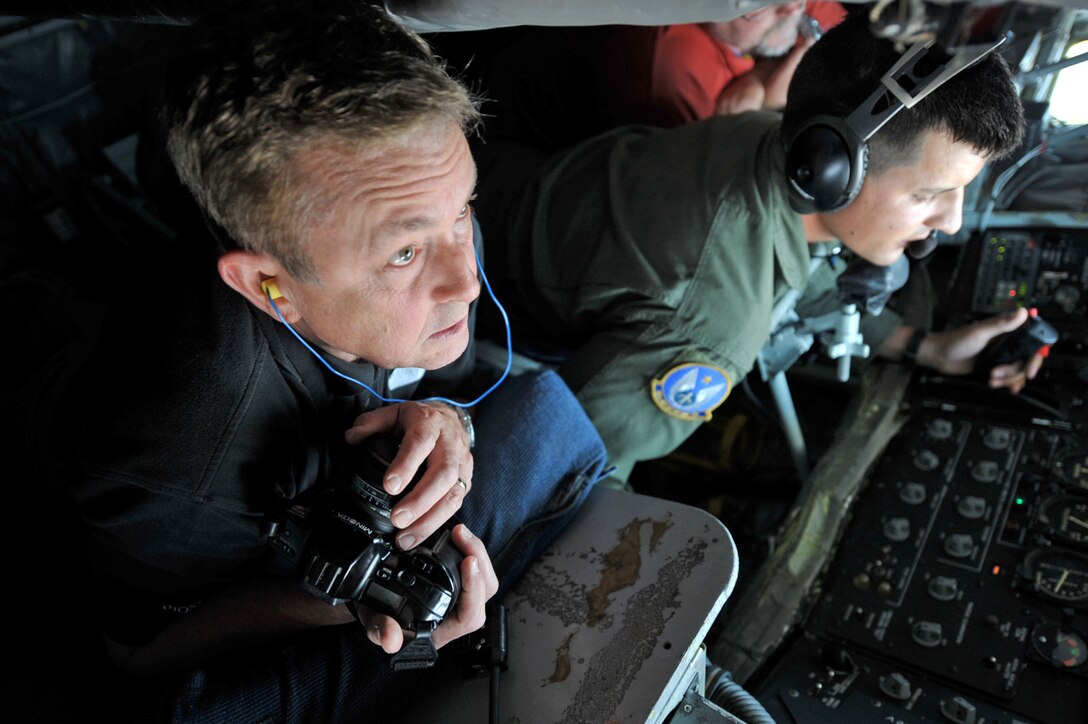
249,273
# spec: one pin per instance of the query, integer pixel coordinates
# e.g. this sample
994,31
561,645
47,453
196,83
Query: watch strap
466,422
910,352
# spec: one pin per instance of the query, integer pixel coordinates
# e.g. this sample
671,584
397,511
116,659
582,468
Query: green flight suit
643,249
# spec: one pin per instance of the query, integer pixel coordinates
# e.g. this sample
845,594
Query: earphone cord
473,403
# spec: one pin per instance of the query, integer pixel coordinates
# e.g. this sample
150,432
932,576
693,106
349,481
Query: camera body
350,555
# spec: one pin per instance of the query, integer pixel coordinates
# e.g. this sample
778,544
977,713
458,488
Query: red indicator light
1012,292
1033,312
996,570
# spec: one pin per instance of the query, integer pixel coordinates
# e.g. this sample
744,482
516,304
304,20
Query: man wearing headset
650,260
326,145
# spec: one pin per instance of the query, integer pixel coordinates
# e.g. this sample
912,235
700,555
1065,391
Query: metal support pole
791,425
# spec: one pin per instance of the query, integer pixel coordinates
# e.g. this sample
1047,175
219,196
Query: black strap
418,652
910,352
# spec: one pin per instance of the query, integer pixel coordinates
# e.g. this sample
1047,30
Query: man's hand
745,93
478,584
955,352
777,73
428,432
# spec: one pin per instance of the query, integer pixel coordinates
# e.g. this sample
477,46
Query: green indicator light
1001,249
1019,501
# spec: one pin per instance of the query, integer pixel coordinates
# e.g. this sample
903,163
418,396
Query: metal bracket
694,708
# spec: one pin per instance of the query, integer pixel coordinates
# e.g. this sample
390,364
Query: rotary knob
896,686
1066,296
912,493
959,710
985,471
943,588
926,460
972,507
959,545
997,438
926,633
897,529
940,429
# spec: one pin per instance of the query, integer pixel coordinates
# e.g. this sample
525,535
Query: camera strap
418,652
286,529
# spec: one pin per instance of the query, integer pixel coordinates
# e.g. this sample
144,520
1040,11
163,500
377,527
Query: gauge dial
1057,575
1072,468
1066,296
1059,647
1065,517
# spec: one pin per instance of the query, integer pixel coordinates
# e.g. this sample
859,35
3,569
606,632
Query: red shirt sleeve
690,70
828,14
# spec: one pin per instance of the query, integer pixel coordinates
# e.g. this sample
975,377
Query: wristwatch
466,422
910,352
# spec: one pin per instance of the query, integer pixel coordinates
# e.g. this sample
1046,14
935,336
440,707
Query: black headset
826,158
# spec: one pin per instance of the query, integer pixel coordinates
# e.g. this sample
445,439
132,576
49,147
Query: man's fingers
383,419
478,584
440,492
1011,376
471,545
1034,365
1006,322
374,633
385,632
435,513
470,607
470,614
415,447
436,497
432,437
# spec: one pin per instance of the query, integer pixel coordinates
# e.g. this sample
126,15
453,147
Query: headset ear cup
861,164
825,166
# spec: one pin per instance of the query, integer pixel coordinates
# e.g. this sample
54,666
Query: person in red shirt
756,55
551,87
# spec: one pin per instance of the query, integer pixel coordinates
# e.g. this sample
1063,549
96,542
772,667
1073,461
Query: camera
349,557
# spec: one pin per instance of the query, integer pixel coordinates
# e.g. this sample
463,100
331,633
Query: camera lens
367,464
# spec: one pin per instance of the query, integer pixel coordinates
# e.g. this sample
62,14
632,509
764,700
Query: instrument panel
1046,268
959,589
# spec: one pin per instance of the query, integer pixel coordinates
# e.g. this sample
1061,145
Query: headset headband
827,157
920,71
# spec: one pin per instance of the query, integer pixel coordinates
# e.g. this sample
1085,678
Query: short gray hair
275,78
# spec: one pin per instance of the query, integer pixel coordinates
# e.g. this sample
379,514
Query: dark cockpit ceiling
436,15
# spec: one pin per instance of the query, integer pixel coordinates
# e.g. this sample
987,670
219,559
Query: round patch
691,391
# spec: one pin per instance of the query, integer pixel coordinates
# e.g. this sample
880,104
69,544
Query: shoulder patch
691,391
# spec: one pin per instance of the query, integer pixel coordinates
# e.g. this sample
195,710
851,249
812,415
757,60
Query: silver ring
463,484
